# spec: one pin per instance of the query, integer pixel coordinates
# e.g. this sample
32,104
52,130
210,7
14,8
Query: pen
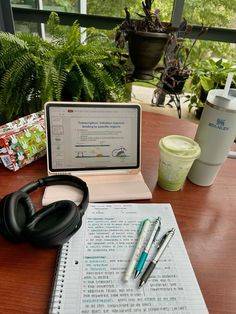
137,250
143,257
160,249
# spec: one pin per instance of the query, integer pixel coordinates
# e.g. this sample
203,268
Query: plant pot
174,84
198,112
203,95
146,50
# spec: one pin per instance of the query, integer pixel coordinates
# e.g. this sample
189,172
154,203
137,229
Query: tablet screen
90,136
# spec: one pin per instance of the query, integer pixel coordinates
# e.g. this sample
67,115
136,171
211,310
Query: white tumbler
215,135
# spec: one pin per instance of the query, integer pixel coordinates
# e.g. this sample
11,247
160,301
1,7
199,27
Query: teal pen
144,255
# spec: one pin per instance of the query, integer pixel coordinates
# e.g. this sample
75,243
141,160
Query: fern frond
33,70
57,32
73,87
11,47
87,85
10,39
35,44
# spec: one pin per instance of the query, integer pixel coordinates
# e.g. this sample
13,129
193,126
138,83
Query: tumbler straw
228,84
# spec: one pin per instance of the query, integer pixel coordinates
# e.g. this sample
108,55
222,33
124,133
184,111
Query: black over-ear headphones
52,225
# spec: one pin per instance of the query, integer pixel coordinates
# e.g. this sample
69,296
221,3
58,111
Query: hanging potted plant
176,65
147,38
176,69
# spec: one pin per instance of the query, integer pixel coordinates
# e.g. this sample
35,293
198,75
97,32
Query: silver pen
160,249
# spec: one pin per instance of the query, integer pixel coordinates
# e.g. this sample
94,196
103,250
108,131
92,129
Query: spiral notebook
91,266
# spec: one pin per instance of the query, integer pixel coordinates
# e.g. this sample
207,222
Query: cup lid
181,146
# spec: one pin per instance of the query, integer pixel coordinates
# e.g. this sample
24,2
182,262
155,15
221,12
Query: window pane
63,5
26,27
27,4
116,8
51,5
211,13
113,8
204,50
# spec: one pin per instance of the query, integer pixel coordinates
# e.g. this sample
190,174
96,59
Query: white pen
137,250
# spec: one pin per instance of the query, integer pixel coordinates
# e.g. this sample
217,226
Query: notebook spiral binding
57,293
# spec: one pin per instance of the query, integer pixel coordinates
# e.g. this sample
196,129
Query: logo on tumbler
220,124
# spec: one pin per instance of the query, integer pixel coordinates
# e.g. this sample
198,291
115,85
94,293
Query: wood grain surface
206,218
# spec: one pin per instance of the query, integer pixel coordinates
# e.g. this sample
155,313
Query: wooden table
206,217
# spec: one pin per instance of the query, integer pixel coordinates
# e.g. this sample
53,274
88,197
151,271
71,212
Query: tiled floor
144,95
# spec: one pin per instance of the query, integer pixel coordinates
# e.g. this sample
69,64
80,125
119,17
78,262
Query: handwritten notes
95,259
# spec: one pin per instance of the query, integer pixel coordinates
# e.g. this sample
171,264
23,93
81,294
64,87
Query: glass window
51,5
211,13
26,27
210,49
27,4
116,8
106,7
217,13
113,8
63,5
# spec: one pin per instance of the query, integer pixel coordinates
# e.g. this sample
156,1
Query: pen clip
141,225
164,237
158,229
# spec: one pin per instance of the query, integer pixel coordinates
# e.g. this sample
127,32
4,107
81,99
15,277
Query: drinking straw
228,84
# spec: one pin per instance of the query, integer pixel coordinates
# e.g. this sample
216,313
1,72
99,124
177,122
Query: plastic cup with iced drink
177,154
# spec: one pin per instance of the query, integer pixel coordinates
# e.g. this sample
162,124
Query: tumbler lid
217,98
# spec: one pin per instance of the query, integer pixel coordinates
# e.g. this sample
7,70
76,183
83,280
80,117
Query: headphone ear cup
54,224
16,210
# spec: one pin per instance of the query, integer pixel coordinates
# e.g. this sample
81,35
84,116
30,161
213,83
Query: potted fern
33,70
25,68
146,37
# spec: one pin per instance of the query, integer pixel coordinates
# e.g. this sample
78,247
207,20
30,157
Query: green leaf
33,70
206,83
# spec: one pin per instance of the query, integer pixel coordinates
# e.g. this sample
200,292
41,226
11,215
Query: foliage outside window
218,13
104,8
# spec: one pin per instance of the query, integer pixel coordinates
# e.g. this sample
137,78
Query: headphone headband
60,180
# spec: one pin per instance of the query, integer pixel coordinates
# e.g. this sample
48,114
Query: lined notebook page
92,264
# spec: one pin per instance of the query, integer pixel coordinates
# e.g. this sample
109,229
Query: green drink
177,154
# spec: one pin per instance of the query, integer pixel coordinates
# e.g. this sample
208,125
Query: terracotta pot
146,50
